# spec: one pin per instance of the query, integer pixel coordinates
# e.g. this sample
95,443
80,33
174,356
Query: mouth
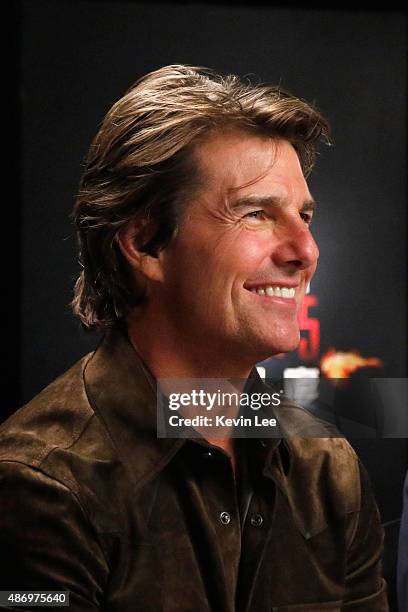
284,292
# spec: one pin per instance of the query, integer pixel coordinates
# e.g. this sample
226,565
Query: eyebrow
269,201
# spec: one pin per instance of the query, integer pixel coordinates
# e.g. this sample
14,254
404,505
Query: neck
167,355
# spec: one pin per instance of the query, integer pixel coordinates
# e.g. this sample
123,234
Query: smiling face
235,274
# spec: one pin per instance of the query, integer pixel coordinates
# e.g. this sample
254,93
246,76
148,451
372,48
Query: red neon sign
309,345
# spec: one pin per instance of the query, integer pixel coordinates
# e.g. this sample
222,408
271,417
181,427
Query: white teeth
274,291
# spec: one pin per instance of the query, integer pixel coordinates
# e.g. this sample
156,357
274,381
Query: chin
276,346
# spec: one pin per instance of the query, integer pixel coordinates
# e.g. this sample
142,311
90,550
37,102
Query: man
193,218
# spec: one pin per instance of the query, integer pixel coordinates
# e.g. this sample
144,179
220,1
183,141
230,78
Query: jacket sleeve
47,541
365,587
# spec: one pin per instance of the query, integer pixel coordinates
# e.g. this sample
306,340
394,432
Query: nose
296,247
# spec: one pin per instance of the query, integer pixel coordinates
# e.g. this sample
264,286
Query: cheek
235,258
216,260
256,245
252,249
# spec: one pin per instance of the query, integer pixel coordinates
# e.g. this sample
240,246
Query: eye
307,217
255,214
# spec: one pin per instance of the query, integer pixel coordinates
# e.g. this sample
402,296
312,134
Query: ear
130,240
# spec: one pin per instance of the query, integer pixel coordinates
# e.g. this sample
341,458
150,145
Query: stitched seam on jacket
97,414
354,527
74,441
157,467
74,485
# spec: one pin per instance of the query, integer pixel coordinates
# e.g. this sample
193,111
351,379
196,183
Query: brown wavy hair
140,166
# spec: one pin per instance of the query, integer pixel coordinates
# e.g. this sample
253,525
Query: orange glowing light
337,364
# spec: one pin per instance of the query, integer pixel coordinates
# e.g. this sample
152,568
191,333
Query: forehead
241,163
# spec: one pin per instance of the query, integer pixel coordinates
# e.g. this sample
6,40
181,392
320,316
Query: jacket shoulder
55,417
59,435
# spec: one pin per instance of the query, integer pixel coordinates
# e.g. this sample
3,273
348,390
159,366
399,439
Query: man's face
236,272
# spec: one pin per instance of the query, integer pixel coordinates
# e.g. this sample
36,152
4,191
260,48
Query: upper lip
270,283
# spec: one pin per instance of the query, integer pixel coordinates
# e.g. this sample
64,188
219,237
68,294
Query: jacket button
256,520
207,454
225,518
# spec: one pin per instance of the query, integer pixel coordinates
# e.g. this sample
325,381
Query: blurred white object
301,372
301,384
261,371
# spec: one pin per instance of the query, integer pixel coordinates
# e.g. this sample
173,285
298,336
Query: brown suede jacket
92,502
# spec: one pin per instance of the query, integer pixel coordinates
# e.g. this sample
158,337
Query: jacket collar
123,395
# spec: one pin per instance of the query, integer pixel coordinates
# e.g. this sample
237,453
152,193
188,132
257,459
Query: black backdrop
77,58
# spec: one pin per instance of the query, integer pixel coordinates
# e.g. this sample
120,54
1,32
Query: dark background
76,58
